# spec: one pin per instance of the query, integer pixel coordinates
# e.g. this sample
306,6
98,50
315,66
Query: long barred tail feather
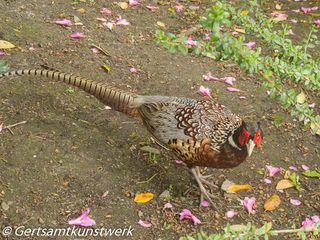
111,96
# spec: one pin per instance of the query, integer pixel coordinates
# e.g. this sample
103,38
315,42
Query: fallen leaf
106,67
301,98
272,203
240,30
161,24
143,197
123,5
284,184
278,6
81,10
238,187
145,224
6,44
312,173
150,150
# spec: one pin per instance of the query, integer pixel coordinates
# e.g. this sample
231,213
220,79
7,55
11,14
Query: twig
101,49
13,125
146,181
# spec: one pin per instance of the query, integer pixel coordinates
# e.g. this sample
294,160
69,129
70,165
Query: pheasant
203,133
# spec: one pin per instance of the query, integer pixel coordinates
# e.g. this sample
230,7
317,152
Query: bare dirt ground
72,153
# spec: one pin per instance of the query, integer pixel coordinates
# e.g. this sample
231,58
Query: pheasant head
243,138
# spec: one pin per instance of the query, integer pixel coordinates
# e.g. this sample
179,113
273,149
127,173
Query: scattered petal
248,204
268,92
290,32
95,50
133,70
230,214
190,42
109,25
317,23
107,108
235,33
279,15
144,223
186,214
232,89
179,8
179,162
106,12
84,219
143,197
306,10
295,202
310,221
272,203
205,91
122,21
77,35
272,170
2,53
267,181
204,203
64,22
294,21
305,167
1,127
133,3
242,97
228,80
209,77
167,205
206,37
312,105
152,8
250,44
293,168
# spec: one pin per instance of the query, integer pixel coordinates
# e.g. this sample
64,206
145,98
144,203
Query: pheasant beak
250,146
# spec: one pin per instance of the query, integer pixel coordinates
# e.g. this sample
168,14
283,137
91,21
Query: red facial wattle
257,138
244,137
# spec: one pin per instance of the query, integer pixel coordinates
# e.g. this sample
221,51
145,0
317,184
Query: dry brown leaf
161,24
240,30
284,184
272,203
6,44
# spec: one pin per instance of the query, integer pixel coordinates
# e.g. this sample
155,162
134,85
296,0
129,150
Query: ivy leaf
312,173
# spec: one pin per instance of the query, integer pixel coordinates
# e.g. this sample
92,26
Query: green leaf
312,173
4,67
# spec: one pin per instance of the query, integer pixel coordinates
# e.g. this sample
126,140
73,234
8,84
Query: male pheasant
203,133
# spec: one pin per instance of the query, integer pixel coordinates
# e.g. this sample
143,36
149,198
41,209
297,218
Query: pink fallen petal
179,8
95,50
106,12
133,3
235,33
232,89
109,25
268,92
179,162
209,77
2,53
206,36
312,105
295,202
122,21
272,170
145,224
205,91
77,35
250,44
152,8
190,42
279,15
228,80
267,181
310,221
306,10
84,220
133,70
167,205
317,23
290,32
305,167
204,203
242,97
186,214
107,108
280,190
248,204
64,22
230,214
293,168
1,127
294,21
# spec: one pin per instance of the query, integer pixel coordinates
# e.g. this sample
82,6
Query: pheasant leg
203,178
203,190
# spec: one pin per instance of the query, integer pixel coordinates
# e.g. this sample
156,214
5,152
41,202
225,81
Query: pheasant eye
258,137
